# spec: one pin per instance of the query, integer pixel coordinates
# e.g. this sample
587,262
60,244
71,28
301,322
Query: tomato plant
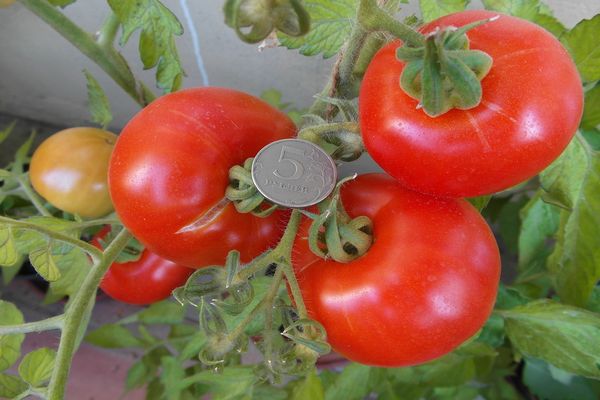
531,107
69,169
169,171
146,280
427,284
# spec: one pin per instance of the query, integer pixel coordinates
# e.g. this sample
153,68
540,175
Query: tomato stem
75,315
107,58
108,32
373,18
93,252
268,300
47,324
35,199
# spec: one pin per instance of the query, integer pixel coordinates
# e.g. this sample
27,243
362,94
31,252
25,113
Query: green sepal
444,73
264,16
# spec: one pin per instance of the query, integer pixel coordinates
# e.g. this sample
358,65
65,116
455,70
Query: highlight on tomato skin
70,170
147,280
530,110
170,168
427,284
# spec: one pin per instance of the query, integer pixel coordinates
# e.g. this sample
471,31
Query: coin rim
320,198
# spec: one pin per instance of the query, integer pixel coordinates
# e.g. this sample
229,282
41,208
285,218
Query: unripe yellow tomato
6,3
70,169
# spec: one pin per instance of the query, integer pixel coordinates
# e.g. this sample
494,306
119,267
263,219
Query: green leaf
527,9
36,367
564,336
308,388
591,110
331,24
551,24
573,181
550,383
480,202
592,136
8,250
112,336
539,222
137,376
43,262
11,386
61,3
164,312
158,26
351,384
433,9
260,287
582,41
28,240
193,346
171,377
10,345
4,133
9,273
510,223
74,267
21,157
98,102
234,382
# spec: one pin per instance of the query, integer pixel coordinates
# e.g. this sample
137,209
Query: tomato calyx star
444,73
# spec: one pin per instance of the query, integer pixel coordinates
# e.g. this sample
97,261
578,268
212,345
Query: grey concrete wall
41,78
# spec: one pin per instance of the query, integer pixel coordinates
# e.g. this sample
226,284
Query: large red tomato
145,281
427,284
531,107
169,172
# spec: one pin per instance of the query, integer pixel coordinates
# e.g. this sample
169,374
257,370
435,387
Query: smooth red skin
532,104
145,281
170,166
427,284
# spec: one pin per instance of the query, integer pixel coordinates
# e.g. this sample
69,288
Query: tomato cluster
428,282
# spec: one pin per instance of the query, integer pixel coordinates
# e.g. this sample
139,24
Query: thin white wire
195,41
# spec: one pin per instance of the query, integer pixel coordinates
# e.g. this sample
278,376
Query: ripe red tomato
145,281
531,107
69,169
169,172
427,284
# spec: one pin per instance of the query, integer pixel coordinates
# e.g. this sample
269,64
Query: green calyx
255,20
333,234
444,73
243,193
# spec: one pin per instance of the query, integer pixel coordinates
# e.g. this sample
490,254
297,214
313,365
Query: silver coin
294,173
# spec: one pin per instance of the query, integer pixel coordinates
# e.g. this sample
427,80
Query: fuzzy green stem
373,18
75,314
108,32
35,199
290,277
109,61
353,127
47,324
235,334
346,84
93,251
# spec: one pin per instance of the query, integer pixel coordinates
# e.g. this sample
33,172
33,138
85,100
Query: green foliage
158,26
308,388
273,97
564,336
11,386
433,9
36,367
573,182
10,345
550,383
98,102
113,336
591,110
61,3
585,48
331,24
